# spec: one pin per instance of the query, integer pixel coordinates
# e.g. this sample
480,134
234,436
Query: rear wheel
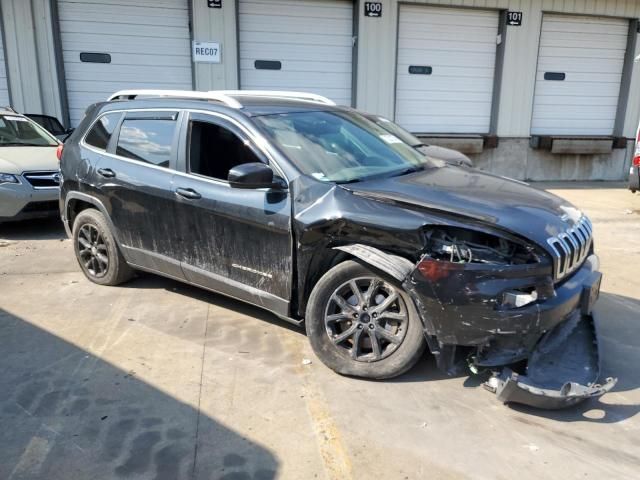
362,324
96,250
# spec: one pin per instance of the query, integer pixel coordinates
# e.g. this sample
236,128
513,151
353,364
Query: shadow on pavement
67,414
37,229
150,281
613,316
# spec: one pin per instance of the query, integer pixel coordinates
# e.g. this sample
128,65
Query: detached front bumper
562,371
555,335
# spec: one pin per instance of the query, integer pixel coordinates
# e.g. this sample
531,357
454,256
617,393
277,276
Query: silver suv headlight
8,178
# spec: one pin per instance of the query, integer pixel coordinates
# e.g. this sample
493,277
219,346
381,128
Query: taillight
636,154
59,151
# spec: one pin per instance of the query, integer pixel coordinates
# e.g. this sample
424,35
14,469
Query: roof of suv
251,103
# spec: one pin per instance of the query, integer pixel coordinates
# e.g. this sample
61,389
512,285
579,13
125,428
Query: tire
93,242
332,324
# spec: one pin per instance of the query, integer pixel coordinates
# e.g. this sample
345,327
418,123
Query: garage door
109,45
445,69
579,73
4,85
303,45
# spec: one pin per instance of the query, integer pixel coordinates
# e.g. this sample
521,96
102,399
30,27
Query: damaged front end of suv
501,305
490,299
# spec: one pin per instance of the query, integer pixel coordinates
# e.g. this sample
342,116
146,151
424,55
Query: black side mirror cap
253,175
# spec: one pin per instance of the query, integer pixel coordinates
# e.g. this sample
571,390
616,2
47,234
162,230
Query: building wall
31,56
377,39
36,80
217,25
377,53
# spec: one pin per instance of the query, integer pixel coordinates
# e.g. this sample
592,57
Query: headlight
8,178
461,246
451,251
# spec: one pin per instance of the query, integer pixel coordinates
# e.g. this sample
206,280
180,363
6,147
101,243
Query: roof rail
216,96
312,97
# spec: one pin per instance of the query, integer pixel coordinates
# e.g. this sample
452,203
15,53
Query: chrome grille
44,179
571,247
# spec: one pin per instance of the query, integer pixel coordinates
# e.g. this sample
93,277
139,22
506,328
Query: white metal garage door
581,59
303,45
148,43
445,69
4,84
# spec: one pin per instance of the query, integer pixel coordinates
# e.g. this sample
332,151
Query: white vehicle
29,169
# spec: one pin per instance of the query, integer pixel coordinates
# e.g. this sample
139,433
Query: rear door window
148,139
102,130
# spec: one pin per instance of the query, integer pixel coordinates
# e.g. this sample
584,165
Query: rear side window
147,140
101,132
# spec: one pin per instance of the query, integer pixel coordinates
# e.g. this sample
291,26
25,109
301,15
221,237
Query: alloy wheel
367,318
93,251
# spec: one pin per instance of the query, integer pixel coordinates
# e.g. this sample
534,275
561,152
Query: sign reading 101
514,18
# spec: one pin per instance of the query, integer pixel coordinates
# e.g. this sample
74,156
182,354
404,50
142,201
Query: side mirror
252,175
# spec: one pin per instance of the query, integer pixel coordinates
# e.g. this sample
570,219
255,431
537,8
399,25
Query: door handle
188,193
106,172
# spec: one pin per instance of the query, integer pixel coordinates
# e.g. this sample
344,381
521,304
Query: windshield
50,124
340,147
398,131
18,131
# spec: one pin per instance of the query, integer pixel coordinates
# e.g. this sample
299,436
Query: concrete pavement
156,379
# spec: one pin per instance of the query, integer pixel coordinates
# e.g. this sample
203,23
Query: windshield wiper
351,180
406,171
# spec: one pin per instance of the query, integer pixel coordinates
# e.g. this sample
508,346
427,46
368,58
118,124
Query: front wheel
362,324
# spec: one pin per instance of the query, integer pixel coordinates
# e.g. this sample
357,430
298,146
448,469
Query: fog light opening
517,299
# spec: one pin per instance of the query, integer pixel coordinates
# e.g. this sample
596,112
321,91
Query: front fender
401,269
398,267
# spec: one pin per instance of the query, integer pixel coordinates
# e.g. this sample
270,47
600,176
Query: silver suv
29,170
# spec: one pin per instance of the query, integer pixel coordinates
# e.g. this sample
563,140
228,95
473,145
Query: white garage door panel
321,9
122,44
590,52
149,44
311,38
460,46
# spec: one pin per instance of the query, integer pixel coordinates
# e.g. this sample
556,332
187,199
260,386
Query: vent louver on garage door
579,72
142,44
445,69
4,84
303,45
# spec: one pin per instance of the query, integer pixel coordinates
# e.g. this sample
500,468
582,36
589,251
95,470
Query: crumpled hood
498,201
16,160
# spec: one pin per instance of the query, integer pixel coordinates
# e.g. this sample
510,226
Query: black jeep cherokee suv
315,213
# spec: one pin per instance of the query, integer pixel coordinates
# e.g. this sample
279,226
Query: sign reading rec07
206,52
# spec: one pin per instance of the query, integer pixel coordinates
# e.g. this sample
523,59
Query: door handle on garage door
106,172
188,193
